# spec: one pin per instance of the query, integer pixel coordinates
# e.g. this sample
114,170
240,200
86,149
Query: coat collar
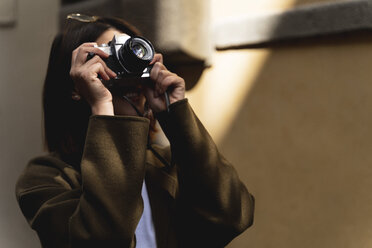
158,175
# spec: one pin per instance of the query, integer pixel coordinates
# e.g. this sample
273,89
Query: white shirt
145,232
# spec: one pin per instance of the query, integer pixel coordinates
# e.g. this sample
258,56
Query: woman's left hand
164,81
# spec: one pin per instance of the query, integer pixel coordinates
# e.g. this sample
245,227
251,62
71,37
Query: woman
102,184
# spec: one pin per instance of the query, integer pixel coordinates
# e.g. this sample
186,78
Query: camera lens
141,48
136,54
139,51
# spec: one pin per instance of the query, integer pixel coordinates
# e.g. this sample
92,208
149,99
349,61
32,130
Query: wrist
104,108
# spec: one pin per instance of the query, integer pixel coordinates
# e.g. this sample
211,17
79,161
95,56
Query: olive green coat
198,202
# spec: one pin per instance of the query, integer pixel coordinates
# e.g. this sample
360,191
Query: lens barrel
136,54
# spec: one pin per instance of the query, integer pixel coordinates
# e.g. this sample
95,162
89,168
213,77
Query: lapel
162,186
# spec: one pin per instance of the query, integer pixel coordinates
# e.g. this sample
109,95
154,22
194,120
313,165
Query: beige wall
24,52
295,121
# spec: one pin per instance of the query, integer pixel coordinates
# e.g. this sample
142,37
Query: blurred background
283,86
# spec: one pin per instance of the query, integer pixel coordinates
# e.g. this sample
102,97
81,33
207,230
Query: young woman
102,183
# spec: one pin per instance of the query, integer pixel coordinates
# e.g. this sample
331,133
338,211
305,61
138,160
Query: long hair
66,120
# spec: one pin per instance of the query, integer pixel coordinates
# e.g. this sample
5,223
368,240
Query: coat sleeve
102,211
214,206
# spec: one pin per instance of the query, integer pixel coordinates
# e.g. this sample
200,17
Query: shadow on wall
303,132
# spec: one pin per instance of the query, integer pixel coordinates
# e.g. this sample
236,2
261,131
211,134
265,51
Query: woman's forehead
107,36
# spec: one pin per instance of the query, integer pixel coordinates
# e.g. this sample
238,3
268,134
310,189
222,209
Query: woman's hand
164,81
85,76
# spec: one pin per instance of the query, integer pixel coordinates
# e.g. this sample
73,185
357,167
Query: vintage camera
129,59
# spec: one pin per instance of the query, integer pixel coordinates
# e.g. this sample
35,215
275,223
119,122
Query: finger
154,74
159,73
97,59
76,51
88,44
171,81
99,69
156,104
83,52
158,57
157,87
165,80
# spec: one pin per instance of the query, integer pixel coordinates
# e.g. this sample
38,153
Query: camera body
129,57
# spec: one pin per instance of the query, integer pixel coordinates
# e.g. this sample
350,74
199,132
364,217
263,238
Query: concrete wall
23,60
294,118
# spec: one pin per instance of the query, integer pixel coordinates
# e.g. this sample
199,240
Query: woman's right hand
85,74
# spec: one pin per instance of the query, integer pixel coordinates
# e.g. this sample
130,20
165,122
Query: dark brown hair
66,120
